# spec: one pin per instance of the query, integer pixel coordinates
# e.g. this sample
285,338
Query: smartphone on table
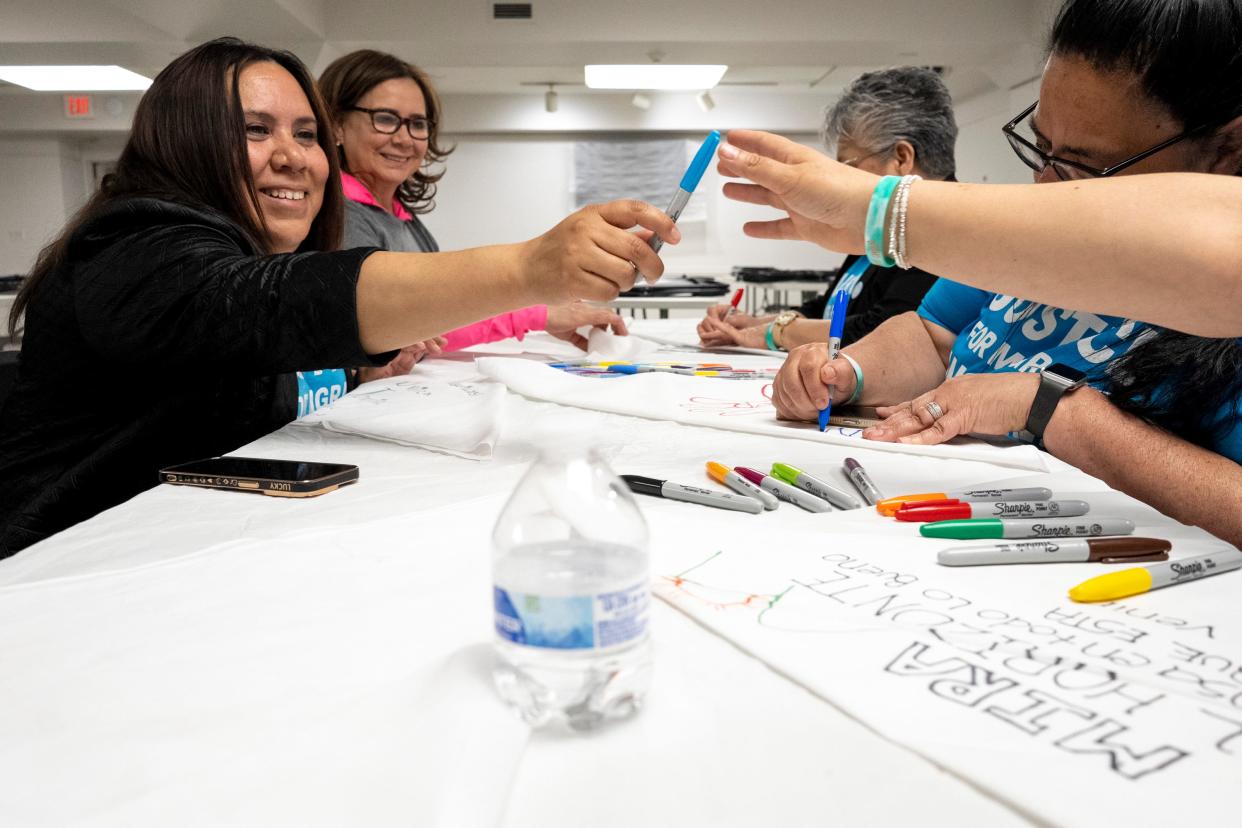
281,478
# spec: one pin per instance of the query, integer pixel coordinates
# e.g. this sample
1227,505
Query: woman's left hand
404,361
717,332
565,320
970,404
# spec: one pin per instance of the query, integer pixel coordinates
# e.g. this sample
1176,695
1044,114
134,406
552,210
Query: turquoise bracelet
769,340
877,212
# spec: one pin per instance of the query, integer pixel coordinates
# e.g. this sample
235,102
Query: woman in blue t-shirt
1130,87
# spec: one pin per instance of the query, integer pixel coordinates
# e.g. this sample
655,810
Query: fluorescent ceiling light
74,78
653,76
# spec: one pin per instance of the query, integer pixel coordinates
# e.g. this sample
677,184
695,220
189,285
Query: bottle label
576,622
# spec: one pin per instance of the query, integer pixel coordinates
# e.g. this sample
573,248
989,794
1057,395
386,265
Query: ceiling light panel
653,76
74,78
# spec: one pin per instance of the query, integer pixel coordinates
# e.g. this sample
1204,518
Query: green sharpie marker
997,528
800,479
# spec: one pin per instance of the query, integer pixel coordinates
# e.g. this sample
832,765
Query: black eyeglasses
1066,170
389,121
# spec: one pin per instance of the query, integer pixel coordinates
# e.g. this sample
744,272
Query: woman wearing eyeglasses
388,134
1130,87
890,122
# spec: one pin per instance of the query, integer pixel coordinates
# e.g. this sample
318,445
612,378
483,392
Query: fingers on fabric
941,431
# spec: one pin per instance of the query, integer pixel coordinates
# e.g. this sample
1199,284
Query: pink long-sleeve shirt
513,324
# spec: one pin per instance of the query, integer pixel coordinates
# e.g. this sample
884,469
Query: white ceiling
788,47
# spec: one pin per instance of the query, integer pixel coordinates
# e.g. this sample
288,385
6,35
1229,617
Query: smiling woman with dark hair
167,321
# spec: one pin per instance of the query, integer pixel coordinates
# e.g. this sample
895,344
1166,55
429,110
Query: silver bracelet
897,225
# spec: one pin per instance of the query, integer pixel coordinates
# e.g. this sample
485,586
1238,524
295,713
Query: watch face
1070,374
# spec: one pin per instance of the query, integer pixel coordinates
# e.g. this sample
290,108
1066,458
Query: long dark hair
348,78
188,145
1187,55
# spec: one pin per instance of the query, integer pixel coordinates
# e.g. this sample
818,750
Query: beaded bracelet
897,221
877,212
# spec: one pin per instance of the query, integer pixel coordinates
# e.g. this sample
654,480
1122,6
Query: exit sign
79,106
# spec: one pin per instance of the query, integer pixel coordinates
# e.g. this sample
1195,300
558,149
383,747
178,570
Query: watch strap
1052,387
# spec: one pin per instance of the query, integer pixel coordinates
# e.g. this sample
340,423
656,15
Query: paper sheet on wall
733,405
459,418
1126,713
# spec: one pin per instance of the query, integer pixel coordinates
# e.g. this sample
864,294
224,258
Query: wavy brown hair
349,78
188,145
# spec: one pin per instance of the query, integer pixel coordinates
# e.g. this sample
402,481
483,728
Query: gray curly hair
908,103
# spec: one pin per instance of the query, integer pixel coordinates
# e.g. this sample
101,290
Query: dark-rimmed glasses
389,121
1066,170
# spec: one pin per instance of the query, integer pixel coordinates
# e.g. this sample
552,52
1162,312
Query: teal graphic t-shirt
317,389
998,333
1004,333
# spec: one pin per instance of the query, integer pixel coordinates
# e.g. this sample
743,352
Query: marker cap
785,473
972,529
701,159
716,471
937,510
889,506
753,476
1112,586
644,485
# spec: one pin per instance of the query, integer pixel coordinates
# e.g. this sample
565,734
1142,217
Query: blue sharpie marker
688,182
839,304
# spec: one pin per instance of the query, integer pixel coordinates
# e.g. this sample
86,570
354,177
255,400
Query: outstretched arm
1164,248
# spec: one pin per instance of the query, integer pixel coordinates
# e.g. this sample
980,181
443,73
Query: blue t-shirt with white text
997,333
317,389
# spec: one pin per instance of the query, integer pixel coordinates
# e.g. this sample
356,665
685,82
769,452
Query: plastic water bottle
572,594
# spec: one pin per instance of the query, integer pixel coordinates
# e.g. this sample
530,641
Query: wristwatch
1055,381
780,323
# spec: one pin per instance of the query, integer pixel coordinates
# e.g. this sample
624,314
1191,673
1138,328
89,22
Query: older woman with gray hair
891,122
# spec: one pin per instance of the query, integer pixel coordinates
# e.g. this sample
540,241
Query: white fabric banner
458,418
733,405
1128,712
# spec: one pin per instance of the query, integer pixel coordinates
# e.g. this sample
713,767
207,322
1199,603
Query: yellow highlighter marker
1142,579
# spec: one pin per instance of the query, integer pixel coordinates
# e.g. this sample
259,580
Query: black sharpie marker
691,494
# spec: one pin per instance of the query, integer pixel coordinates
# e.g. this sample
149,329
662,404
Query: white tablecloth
200,657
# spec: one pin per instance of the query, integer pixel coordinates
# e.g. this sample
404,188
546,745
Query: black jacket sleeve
183,290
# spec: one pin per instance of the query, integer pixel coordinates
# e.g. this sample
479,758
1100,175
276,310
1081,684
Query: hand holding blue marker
839,303
688,182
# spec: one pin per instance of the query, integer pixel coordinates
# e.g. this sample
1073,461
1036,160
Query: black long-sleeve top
886,292
162,338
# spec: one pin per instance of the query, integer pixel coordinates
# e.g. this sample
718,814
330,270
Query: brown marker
1095,550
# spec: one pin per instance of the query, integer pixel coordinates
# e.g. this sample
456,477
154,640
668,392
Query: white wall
504,189
40,176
